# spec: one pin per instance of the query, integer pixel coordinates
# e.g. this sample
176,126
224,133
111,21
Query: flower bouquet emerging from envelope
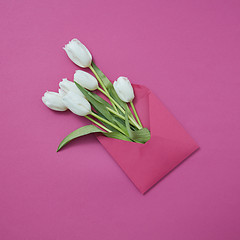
145,158
111,118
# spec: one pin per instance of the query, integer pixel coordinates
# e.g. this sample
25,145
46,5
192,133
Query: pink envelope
145,164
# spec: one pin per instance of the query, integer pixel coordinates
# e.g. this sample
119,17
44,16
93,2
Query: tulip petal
53,101
78,53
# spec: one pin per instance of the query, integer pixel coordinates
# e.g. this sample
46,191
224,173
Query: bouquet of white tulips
112,118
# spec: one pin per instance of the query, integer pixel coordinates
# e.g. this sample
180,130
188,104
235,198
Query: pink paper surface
186,52
145,164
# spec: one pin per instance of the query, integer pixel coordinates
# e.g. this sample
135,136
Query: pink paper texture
145,164
186,52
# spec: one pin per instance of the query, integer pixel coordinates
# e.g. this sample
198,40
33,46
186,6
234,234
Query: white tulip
78,53
124,89
66,86
61,92
86,80
54,101
77,104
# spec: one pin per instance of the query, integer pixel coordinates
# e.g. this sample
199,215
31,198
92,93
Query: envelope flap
141,102
164,125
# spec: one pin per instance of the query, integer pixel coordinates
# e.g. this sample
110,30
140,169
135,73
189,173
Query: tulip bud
78,53
77,104
124,89
66,86
54,101
86,80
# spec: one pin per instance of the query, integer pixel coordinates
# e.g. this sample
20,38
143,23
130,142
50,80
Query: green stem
111,99
122,117
108,122
99,124
132,120
136,115
103,86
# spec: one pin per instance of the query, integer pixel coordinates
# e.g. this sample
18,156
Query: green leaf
106,125
141,136
100,100
117,135
100,105
127,124
110,88
78,133
105,80
108,85
88,130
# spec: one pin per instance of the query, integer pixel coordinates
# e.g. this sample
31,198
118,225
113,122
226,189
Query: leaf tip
59,148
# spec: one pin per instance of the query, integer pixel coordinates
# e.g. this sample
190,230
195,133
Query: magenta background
187,53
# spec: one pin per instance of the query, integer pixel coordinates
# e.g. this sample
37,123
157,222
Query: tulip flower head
78,53
66,86
77,104
124,89
86,80
54,101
